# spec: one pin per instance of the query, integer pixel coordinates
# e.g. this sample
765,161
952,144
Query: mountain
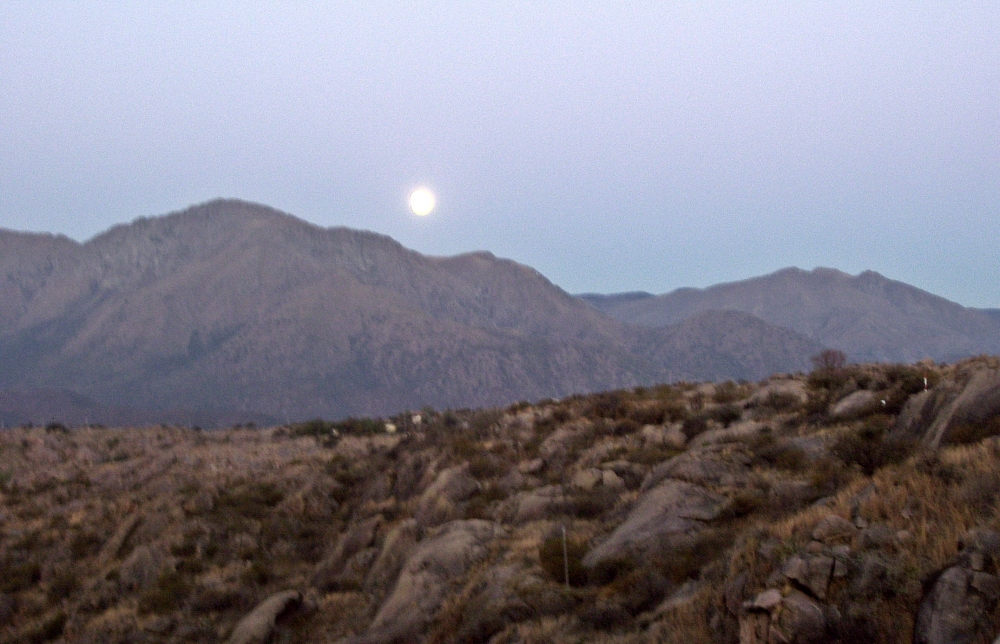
869,317
235,307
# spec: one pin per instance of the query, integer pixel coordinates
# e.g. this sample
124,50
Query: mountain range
869,317
231,310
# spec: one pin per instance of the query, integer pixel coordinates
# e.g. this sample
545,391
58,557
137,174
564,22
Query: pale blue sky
612,146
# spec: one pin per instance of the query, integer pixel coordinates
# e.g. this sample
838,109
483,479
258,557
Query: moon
422,202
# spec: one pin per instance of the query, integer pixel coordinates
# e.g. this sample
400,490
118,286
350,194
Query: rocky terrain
853,504
868,316
232,309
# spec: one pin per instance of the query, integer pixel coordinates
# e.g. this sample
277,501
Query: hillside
869,317
231,308
851,505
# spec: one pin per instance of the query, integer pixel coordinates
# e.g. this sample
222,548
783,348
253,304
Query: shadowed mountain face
231,306
869,317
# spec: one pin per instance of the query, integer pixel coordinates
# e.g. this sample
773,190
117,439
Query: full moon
421,201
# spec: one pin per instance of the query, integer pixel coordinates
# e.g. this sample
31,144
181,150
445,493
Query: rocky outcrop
853,404
356,539
673,507
437,503
973,396
959,601
256,627
424,581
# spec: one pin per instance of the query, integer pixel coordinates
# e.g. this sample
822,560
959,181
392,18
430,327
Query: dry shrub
871,447
781,401
966,433
728,392
647,415
725,414
694,425
782,455
167,595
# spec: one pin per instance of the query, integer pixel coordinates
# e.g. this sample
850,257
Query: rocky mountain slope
235,308
868,316
850,505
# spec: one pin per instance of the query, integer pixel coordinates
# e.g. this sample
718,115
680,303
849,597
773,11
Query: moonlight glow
421,201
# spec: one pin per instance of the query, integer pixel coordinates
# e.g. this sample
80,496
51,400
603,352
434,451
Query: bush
170,591
725,414
625,427
781,455
19,576
63,585
781,401
554,560
591,504
966,433
251,500
727,392
693,426
871,448
647,415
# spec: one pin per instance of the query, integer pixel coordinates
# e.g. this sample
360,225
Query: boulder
396,548
424,581
833,528
673,507
256,627
972,397
437,503
533,505
775,619
709,465
956,606
853,404
811,572
356,538
586,479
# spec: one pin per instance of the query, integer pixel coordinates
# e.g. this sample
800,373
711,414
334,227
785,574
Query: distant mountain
868,316
611,301
231,307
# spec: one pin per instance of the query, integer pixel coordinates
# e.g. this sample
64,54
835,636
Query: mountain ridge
870,317
230,306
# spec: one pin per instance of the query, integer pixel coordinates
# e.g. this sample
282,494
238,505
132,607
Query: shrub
693,426
170,591
647,415
966,433
591,504
610,404
776,454
317,428
63,584
725,414
85,544
554,560
727,392
781,401
871,447
19,576
829,360
744,503
252,500
625,427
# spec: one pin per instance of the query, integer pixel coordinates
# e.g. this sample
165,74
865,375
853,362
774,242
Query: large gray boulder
356,538
672,507
256,627
424,581
963,596
437,503
707,465
973,396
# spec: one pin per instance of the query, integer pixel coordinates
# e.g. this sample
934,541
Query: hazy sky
611,145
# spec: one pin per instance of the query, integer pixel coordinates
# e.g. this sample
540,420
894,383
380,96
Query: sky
613,146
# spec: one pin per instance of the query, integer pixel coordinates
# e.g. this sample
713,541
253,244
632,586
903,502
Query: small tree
829,360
